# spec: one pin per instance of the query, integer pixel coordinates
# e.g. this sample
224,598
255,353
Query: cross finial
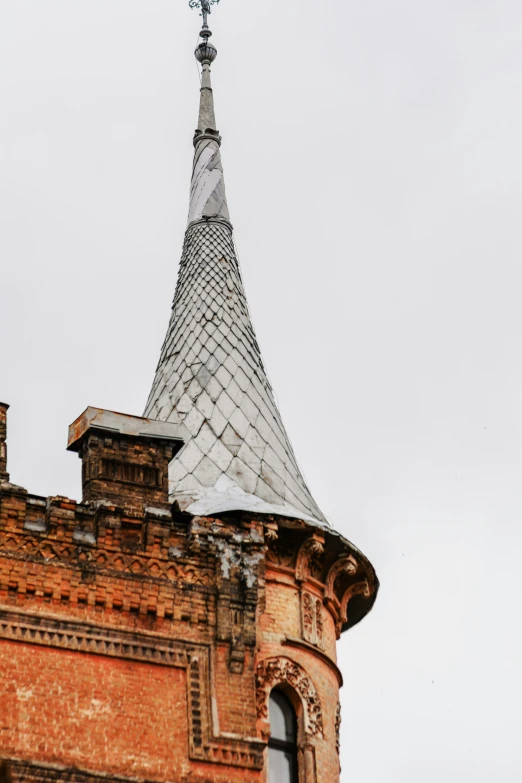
205,8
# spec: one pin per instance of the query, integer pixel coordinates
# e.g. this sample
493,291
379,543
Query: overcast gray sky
373,168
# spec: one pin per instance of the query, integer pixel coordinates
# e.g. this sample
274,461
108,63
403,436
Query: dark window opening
282,745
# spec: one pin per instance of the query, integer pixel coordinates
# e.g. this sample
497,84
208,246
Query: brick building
180,622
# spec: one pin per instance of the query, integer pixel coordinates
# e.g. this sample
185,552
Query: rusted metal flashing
123,424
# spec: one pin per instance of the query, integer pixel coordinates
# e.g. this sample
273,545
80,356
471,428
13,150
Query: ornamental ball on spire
205,52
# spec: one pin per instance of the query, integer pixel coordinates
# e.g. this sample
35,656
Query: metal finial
205,8
205,52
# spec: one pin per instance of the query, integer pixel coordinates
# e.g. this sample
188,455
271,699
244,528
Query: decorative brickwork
142,630
114,579
4,475
276,671
312,614
101,591
338,727
309,558
125,459
120,580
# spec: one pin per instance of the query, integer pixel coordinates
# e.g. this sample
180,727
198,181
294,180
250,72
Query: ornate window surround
280,671
288,676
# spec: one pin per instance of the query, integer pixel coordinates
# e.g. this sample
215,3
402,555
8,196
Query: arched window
282,745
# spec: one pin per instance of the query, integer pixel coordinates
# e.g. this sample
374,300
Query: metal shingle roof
210,377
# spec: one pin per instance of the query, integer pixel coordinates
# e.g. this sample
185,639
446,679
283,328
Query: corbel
357,588
271,531
346,565
312,547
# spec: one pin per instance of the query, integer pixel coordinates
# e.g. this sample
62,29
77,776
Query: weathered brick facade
143,629
138,642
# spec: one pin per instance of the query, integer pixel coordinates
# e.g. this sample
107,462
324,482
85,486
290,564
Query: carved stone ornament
308,614
310,551
359,588
338,728
271,531
275,671
346,565
312,617
280,554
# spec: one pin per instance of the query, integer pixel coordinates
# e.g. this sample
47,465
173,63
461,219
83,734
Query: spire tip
205,52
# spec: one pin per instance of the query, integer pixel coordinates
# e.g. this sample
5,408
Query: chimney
125,459
4,475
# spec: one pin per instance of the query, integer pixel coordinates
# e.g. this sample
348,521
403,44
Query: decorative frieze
81,637
37,549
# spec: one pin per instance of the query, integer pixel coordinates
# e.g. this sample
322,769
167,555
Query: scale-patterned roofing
210,377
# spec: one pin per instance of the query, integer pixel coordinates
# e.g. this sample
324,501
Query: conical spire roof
210,377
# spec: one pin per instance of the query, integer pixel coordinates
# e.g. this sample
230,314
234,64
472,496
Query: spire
210,377
207,191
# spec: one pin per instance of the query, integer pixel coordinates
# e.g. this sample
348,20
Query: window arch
282,745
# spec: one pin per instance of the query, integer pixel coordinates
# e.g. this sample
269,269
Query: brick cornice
19,626
55,773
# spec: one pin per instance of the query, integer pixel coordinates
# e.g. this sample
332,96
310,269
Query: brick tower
179,624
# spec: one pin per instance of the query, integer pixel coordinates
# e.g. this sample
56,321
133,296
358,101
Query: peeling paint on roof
207,193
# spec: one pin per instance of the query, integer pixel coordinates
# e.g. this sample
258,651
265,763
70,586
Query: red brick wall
234,695
97,713
129,600
282,620
282,617
203,598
